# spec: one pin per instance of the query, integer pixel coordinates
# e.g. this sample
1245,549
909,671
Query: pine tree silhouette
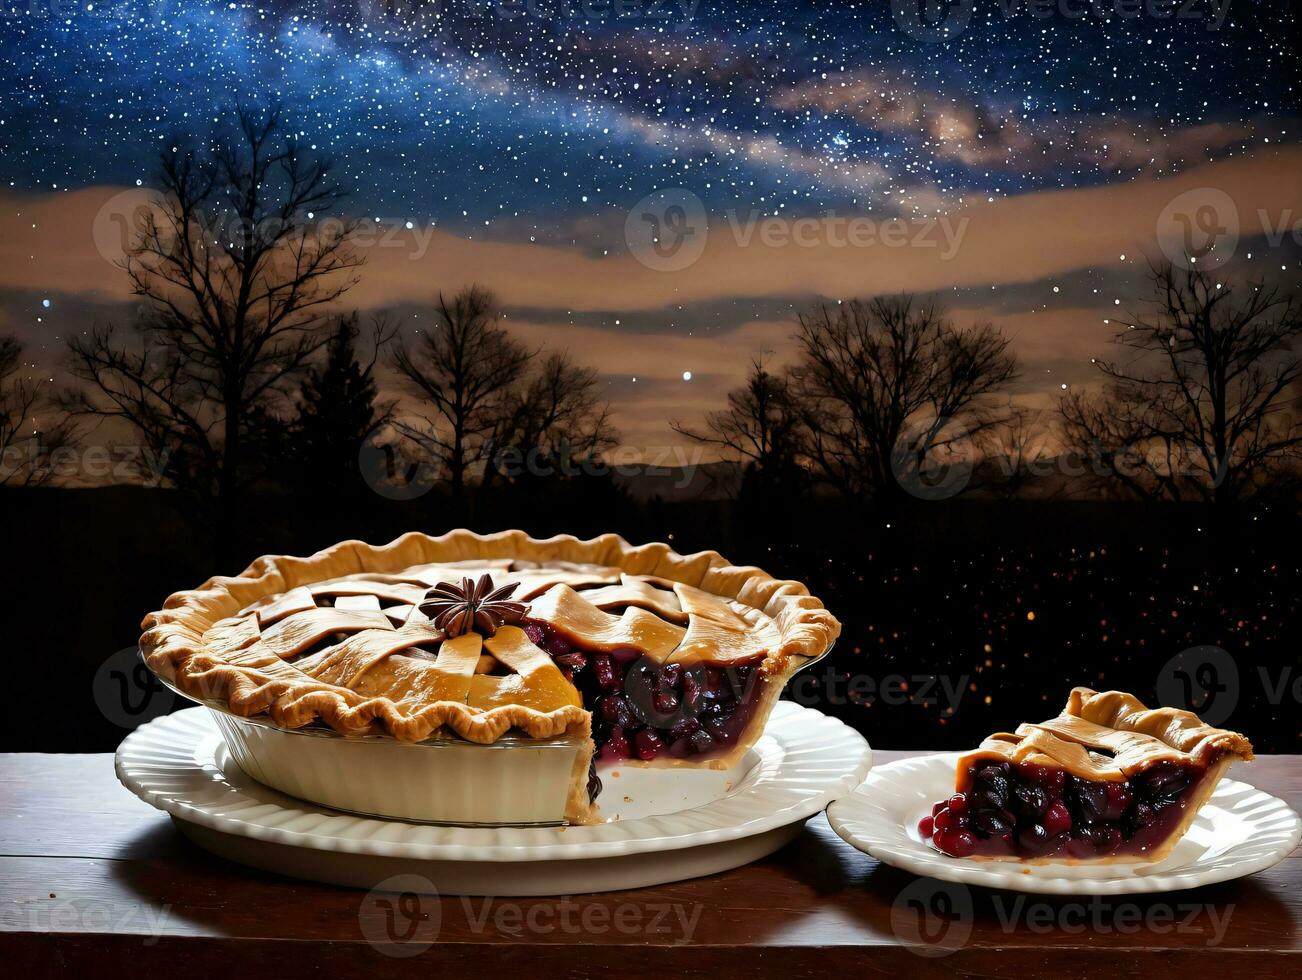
336,410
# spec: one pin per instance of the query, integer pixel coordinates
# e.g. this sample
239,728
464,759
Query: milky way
503,118
518,136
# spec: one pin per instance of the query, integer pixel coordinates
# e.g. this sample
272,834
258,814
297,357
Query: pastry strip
293,635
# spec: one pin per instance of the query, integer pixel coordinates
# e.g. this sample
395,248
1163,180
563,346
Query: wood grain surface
95,883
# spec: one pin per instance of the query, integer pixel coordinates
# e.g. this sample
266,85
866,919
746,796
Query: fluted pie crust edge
173,646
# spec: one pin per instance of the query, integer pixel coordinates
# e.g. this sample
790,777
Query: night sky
515,138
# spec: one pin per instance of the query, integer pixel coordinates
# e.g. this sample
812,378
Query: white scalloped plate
1240,831
178,763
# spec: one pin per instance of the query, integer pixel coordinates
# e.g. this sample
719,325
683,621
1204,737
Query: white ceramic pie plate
667,824
1240,831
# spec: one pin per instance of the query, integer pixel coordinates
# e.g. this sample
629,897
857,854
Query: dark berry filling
1032,811
645,710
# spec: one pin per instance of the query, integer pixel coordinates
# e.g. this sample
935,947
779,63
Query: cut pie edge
1203,792
173,638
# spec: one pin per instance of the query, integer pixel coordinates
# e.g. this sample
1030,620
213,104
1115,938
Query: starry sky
1029,158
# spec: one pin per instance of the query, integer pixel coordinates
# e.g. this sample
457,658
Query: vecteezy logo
393,463
932,20
1202,679
932,918
667,230
126,691
120,222
401,916
1199,228
933,460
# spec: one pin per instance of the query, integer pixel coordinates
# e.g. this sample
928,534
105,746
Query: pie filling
646,710
1027,811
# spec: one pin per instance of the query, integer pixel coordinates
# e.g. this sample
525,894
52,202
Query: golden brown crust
1182,730
176,639
1109,736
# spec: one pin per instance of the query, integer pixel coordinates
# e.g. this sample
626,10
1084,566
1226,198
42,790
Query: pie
645,654
1107,780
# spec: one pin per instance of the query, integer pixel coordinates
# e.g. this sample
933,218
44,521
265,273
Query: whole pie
645,654
1107,780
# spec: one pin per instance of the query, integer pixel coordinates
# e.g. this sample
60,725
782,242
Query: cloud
679,57
764,151
643,409
1005,240
981,135
1011,254
48,241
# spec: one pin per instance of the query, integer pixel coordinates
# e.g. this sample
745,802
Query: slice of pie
1107,780
654,656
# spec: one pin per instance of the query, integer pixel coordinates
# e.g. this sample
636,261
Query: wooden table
95,883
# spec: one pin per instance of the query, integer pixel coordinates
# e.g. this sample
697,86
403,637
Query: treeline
239,378
889,398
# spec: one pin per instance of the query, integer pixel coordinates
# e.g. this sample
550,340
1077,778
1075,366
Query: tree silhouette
25,450
236,269
1014,451
1200,409
889,385
337,407
464,368
761,427
553,419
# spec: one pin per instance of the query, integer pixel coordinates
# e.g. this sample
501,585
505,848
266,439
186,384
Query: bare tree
888,384
1200,407
25,449
1014,450
465,368
552,420
761,426
236,269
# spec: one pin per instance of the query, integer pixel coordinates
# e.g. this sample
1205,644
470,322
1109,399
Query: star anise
471,606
